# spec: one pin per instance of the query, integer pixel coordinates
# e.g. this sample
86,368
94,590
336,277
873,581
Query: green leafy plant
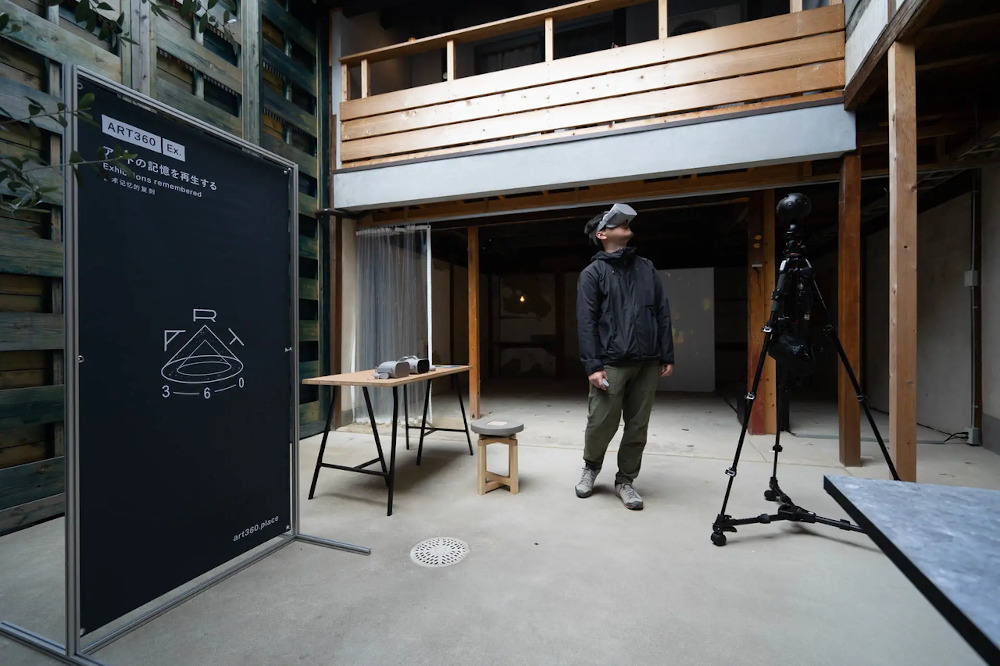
20,187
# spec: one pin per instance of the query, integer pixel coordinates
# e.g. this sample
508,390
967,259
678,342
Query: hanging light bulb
521,299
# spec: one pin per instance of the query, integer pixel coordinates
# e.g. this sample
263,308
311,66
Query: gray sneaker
586,485
630,498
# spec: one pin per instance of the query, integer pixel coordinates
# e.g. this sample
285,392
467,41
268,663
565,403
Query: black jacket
622,312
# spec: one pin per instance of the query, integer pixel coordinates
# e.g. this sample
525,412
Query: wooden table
366,379
946,539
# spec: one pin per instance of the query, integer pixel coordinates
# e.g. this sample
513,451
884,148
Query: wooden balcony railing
750,66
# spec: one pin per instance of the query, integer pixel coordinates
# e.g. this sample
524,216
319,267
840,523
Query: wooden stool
493,430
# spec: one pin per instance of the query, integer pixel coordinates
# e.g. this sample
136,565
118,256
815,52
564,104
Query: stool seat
493,426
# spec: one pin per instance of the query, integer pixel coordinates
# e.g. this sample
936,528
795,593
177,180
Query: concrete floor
551,578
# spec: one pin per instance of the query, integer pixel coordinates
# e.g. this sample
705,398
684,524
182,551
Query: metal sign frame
74,651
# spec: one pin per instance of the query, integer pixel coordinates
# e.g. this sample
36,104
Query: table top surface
946,539
367,377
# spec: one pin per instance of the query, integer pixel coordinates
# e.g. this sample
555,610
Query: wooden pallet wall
293,98
259,84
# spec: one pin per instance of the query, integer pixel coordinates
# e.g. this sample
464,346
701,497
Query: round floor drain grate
439,552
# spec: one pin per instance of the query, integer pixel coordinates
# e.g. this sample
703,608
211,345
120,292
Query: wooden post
142,54
560,303
56,156
760,284
550,47
849,307
365,78
794,6
345,83
251,70
662,18
903,260
474,408
977,303
334,251
450,60
199,38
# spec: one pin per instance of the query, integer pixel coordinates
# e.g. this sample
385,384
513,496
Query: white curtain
393,311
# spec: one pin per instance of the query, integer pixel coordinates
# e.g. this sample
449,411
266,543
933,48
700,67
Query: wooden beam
30,482
794,6
365,79
450,60
48,39
791,81
345,83
730,38
336,303
549,39
251,57
31,406
977,303
199,39
57,358
762,177
25,255
141,58
849,307
31,331
474,406
199,108
486,30
176,41
560,303
906,23
722,113
940,129
287,23
662,18
289,68
760,284
125,49
613,85
903,260
30,513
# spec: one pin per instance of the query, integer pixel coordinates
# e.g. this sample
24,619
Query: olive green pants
630,393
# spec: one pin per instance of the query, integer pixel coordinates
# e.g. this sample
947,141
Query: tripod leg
723,522
774,492
862,398
720,525
831,331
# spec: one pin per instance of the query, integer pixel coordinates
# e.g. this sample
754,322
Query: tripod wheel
770,496
718,538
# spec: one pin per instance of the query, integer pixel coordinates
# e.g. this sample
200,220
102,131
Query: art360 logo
204,363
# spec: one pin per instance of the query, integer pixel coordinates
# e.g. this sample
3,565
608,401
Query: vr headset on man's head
615,216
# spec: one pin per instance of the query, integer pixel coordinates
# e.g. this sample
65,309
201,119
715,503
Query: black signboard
185,342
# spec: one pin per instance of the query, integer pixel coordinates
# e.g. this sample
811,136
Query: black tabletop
946,539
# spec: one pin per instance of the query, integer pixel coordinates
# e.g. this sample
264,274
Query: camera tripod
789,316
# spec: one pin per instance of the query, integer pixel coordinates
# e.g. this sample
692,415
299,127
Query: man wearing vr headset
626,345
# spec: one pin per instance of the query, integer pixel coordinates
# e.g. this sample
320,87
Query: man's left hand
667,370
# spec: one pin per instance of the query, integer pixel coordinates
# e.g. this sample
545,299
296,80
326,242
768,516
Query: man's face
621,234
